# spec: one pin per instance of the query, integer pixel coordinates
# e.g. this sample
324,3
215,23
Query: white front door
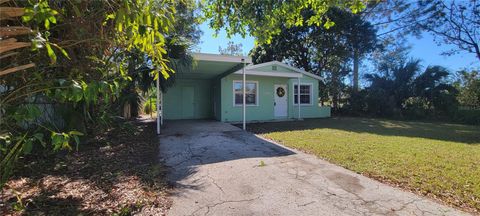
280,103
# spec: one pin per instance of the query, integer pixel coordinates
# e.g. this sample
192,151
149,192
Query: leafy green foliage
316,49
403,90
468,84
150,106
142,25
62,140
265,19
83,71
40,13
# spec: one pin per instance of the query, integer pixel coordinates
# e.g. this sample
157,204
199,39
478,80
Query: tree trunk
335,101
356,61
335,90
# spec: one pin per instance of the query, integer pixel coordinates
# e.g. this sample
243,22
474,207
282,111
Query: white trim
220,58
244,97
250,67
275,96
311,94
159,118
271,74
161,111
298,97
256,93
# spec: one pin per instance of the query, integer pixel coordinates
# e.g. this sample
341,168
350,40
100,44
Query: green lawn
435,159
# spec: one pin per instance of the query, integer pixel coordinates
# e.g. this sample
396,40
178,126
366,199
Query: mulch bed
115,173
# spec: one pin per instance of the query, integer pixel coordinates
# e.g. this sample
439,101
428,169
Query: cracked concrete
219,169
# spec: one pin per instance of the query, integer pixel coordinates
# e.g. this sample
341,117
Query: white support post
244,106
158,104
161,110
298,97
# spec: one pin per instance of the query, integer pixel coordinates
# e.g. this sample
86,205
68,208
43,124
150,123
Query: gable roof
251,67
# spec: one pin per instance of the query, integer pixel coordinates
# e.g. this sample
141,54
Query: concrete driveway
219,169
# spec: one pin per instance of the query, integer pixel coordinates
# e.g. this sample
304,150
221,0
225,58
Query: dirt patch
115,173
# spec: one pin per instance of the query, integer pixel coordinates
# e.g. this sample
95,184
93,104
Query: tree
432,85
264,19
468,85
387,93
456,23
83,64
322,51
402,88
450,22
362,39
231,49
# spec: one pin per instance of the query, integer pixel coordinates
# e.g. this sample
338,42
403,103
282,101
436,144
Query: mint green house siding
207,92
264,111
189,99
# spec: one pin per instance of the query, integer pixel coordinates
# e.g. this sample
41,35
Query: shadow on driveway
218,169
187,144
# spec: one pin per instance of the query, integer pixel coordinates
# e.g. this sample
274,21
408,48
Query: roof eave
221,58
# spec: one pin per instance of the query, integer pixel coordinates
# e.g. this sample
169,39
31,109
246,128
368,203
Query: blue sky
424,48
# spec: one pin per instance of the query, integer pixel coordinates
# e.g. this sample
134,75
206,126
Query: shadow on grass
429,130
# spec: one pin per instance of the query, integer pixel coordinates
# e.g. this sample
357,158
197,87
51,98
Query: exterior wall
215,99
269,69
174,106
313,110
217,95
264,111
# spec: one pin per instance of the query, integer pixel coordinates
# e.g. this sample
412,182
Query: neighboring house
212,89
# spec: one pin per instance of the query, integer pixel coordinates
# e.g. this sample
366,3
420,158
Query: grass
438,160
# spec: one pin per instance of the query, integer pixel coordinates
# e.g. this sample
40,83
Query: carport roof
209,66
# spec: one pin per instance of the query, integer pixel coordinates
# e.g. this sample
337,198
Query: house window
250,96
305,94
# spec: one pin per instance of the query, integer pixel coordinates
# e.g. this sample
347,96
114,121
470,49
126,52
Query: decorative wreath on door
280,92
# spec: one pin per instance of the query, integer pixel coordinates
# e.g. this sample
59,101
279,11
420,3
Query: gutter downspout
244,126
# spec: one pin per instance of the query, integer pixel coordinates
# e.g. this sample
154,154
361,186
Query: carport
196,92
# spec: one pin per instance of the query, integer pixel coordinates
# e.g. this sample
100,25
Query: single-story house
212,89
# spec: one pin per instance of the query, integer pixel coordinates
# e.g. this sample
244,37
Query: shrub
150,106
468,116
416,107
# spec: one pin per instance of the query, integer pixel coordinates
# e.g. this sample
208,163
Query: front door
280,104
188,104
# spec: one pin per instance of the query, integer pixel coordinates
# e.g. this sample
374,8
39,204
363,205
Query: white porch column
244,105
161,106
298,97
158,104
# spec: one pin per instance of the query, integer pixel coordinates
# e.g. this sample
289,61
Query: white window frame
246,82
295,92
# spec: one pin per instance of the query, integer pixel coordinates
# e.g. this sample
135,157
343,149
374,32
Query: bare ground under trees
115,173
